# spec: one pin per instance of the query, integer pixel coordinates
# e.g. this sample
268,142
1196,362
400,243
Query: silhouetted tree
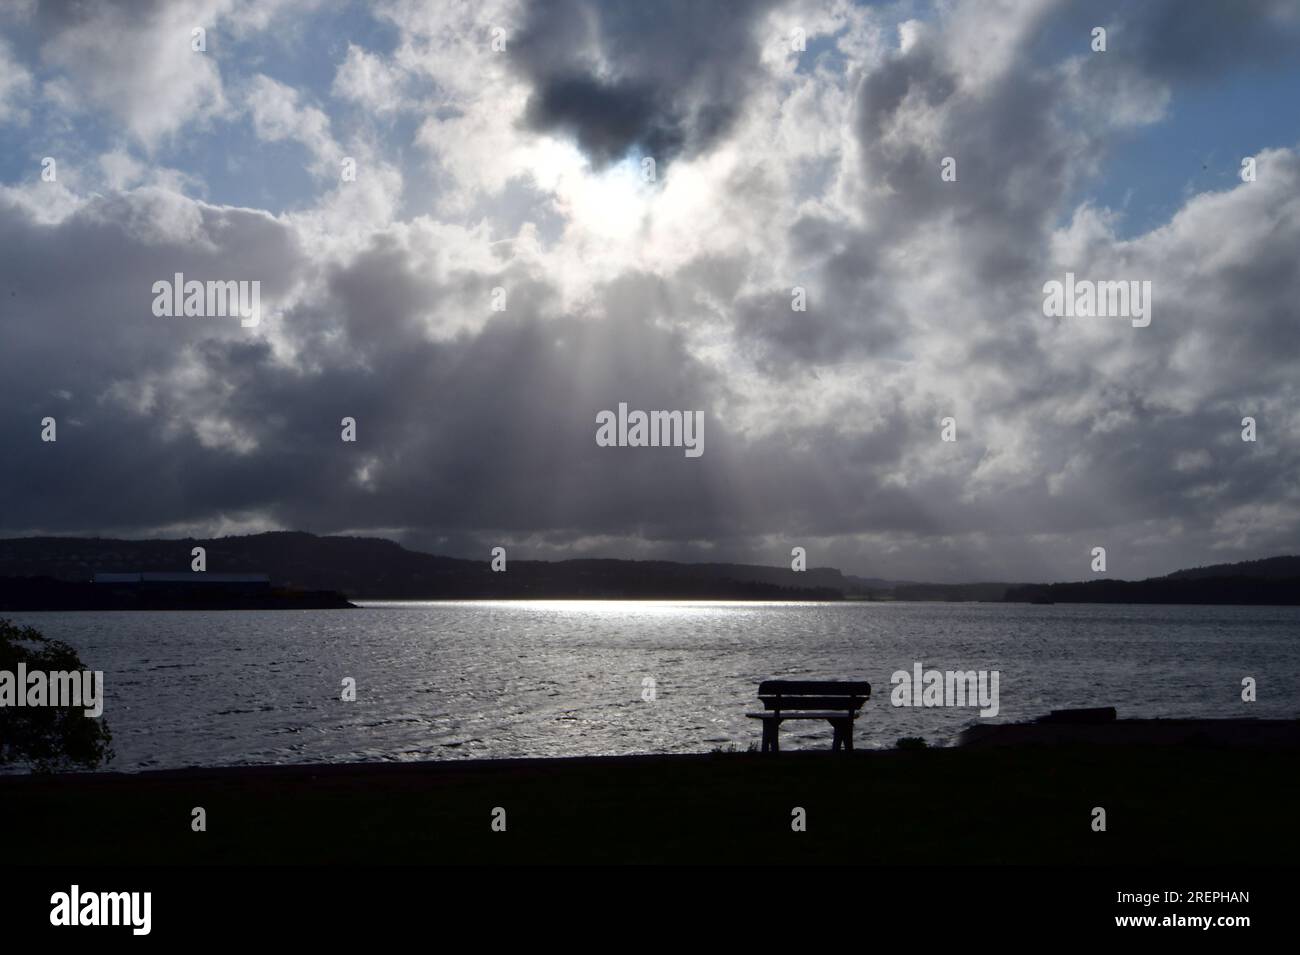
47,737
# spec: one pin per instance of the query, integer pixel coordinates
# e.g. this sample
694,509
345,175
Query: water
472,679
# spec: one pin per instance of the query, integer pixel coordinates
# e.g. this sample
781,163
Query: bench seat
802,715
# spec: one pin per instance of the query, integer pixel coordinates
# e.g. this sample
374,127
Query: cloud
368,80
278,113
135,61
624,77
819,170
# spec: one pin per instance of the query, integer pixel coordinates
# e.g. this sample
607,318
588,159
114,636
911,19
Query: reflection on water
549,678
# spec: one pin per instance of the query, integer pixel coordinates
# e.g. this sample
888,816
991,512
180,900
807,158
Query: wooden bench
836,701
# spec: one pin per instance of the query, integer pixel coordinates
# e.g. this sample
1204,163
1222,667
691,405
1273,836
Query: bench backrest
814,694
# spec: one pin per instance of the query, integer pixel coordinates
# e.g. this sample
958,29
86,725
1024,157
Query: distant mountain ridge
366,567
1269,568
375,568
1272,581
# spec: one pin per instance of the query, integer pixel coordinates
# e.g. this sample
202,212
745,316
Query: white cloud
278,114
139,66
369,80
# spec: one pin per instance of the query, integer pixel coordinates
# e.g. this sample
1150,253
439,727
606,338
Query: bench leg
843,735
771,744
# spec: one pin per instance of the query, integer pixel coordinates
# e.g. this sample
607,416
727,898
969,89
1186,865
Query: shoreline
353,602
1022,802
1246,732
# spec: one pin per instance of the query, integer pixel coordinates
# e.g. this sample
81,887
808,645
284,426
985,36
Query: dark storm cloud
81,345
77,298
607,120
487,430
623,76
474,439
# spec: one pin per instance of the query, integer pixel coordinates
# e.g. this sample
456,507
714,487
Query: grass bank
1184,803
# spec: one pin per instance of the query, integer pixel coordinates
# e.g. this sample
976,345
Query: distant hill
1270,568
868,585
373,568
1273,580
363,567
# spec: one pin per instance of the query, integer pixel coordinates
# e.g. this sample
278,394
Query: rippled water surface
493,679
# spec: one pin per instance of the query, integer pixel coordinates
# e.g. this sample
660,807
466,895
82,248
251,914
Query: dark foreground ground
1197,801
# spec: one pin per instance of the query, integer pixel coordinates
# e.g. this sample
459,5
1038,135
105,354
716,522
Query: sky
477,225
